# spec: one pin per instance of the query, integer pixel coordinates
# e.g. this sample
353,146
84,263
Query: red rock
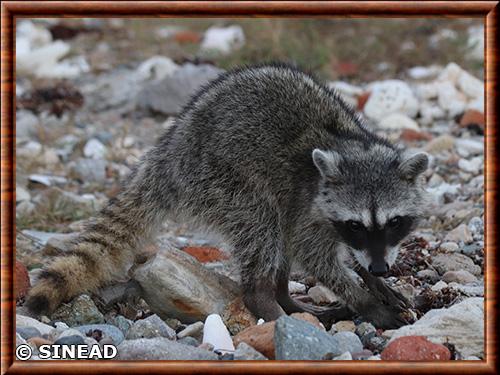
21,280
205,254
362,99
472,117
347,68
260,337
410,135
183,37
415,348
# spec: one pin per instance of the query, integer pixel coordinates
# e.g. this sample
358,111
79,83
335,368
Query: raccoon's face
372,200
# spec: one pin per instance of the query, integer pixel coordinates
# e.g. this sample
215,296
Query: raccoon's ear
412,166
327,162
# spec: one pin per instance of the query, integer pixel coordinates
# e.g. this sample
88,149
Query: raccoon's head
372,198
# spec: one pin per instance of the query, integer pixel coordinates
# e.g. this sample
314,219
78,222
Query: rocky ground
82,123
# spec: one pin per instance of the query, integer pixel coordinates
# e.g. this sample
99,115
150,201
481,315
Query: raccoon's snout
378,269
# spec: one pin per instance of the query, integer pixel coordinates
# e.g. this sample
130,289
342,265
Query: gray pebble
70,340
28,332
245,352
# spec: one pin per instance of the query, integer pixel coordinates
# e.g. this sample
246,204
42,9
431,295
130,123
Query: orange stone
472,117
183,37
415,348
206,254
260,337
410,135
362,99
21,280
308,318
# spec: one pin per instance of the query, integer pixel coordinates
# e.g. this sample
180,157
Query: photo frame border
12,10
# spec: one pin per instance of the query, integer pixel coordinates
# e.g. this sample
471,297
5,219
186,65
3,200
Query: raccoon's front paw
384,316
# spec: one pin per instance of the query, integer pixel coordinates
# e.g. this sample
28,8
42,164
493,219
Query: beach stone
81,310
245,352
322,295
260,337
70,340
28,332
26,321
169,95
459,276
160,348
454,262
193,330
429,275
108,330
348,342
298,340
397,121
89,170
388,97
176,285
345,325
188,340
460,234
461,325
415,348
150,327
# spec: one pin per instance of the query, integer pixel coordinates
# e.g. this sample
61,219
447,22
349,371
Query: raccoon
279,166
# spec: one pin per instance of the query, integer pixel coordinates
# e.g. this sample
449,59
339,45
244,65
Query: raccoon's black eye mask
360,237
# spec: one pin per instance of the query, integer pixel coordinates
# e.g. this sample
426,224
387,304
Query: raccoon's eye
395,222
354,226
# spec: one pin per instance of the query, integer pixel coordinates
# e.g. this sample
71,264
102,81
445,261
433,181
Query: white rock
431,111
423,72
94,149
466,147
295,287
449,246
346,88
476,104
30,149
461,325
475,42
438,286
41,60
223,39
450,99
48,180
470,85
26,124
22,194
193,330
25,208
26,321
388,97
398,121
69,68
35,35
260,321
471,166
321,294
343,357
450,73
216,333
426,91
438,193
156,67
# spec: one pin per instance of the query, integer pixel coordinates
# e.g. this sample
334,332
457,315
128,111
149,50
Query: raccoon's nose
378,269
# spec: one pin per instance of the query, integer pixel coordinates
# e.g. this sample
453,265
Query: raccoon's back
262,118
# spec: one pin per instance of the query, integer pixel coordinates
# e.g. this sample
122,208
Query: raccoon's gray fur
283,169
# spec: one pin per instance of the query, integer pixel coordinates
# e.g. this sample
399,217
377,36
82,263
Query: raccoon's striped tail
105,250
